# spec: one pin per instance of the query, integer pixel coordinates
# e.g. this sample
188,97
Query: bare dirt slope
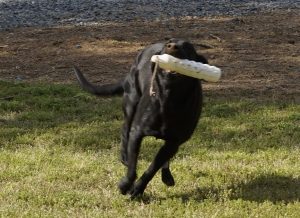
260,54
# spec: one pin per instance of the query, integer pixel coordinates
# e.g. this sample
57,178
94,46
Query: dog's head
183,49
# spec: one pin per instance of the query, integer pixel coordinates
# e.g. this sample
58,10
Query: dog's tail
109,89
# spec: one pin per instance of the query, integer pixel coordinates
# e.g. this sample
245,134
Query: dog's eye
172,40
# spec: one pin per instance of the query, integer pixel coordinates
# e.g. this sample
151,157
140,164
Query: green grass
59,157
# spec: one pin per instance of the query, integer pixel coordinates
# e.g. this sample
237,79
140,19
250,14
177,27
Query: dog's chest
178,110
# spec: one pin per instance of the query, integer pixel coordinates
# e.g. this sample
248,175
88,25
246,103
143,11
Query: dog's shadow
272,188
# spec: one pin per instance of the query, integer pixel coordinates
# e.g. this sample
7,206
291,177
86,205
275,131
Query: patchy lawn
59,156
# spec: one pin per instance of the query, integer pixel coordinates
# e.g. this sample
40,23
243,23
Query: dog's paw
137,190
125,185
167,178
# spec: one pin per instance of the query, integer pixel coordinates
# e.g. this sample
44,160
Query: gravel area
24,13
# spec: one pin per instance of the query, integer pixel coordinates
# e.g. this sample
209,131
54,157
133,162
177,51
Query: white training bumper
188,68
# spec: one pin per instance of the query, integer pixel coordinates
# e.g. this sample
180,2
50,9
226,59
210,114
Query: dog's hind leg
128,115
166,175
165,153
130,101
133,147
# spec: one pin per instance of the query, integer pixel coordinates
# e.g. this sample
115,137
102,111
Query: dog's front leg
165,153
133,148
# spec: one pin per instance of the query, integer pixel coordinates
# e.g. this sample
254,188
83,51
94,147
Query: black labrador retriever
171,114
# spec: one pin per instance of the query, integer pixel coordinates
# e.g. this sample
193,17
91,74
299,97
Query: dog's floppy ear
196,57
202,59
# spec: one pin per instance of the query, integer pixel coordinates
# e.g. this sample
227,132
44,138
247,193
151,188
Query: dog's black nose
172,46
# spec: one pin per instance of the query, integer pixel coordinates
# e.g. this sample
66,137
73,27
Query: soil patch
258,53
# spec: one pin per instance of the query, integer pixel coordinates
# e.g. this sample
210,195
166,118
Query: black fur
172,114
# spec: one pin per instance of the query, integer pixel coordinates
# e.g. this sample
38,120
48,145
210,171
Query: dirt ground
259,54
